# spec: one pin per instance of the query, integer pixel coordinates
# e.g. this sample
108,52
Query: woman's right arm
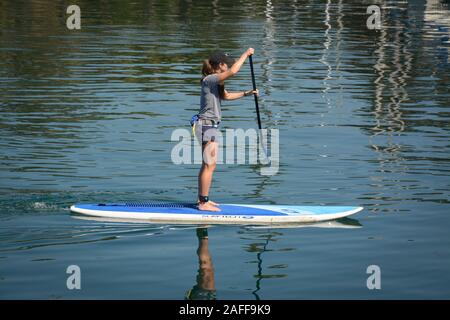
236,66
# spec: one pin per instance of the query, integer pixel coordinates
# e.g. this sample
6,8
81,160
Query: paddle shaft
254,88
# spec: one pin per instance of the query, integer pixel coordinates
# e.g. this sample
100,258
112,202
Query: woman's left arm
239,94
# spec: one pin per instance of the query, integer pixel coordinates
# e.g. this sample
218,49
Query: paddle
254,88
264,159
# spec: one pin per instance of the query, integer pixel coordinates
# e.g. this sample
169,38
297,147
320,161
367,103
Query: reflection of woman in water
205,288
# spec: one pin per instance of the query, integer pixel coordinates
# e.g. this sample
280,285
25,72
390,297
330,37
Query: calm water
87,116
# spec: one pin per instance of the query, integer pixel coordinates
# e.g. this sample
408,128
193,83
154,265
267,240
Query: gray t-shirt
210,99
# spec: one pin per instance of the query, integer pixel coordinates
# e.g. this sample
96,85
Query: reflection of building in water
393,68
268,50
325,59
215,5
340,28
437,26
326,53
394,65
409,32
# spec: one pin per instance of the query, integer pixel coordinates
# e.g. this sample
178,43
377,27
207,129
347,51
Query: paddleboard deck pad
229,214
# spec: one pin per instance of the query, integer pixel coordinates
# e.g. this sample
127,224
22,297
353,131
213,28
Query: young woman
218,68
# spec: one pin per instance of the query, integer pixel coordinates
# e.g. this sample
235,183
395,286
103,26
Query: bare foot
207,206
214,204
210,201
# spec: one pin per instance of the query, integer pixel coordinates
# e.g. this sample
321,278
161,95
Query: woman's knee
210,153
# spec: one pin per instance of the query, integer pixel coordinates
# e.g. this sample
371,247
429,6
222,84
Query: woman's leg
205,175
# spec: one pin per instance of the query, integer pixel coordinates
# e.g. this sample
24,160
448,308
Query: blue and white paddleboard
229,214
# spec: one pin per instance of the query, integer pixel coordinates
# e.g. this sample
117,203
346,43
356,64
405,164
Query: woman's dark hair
209,68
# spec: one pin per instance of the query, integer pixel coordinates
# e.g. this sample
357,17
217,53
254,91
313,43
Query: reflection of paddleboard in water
229,214
345,223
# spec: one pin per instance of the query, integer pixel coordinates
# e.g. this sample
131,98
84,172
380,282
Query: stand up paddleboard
229,214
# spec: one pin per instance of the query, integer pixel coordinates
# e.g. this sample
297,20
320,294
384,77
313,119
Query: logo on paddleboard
227,217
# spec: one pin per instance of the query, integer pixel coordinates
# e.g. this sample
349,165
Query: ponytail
207,68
